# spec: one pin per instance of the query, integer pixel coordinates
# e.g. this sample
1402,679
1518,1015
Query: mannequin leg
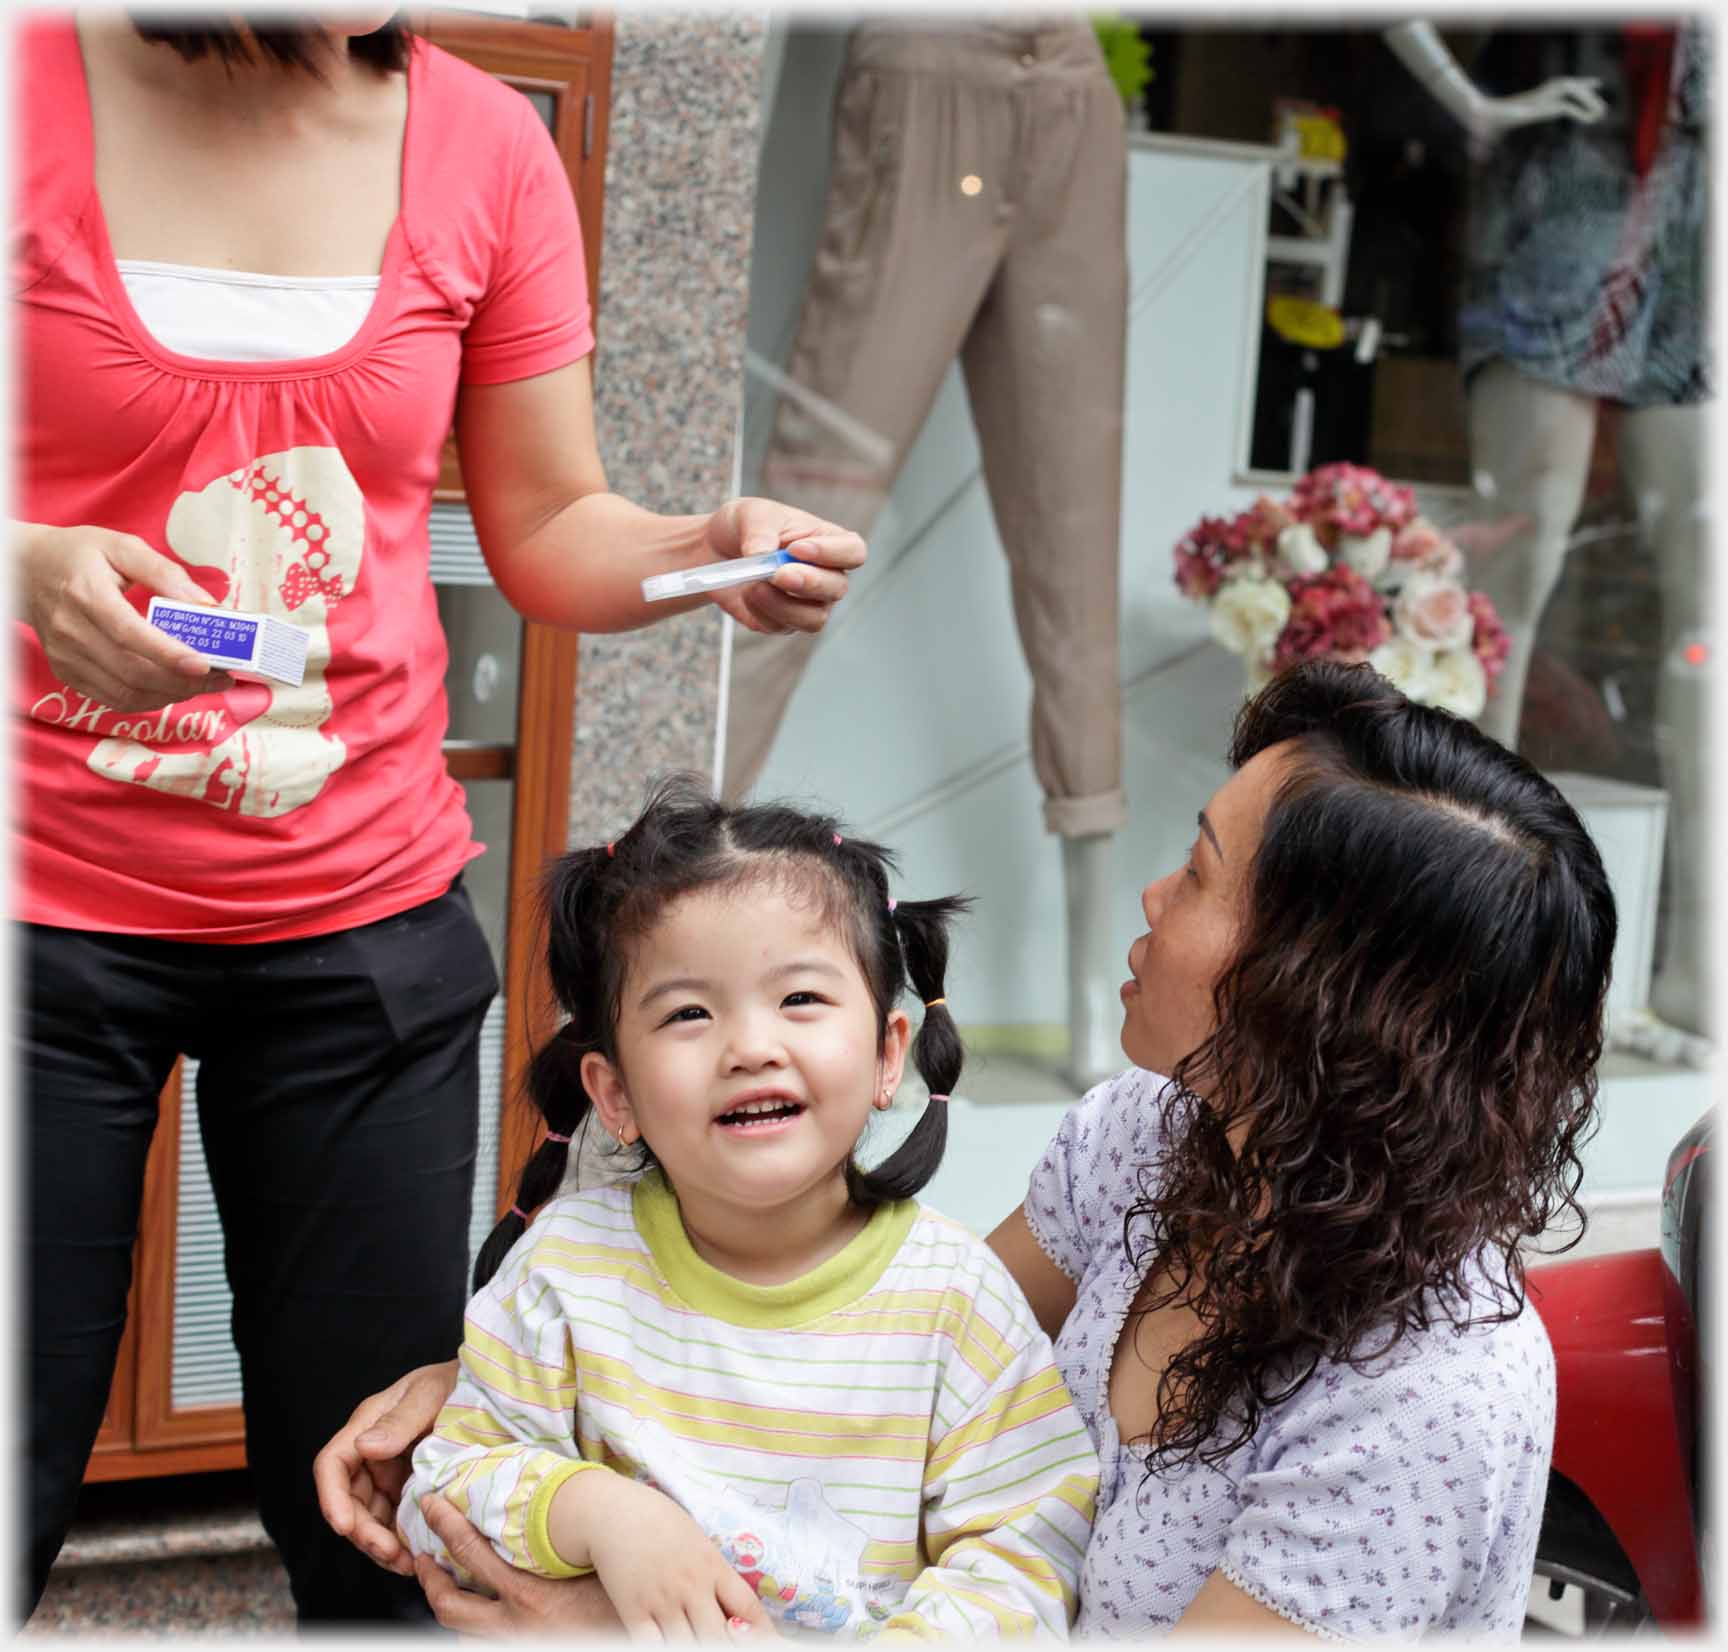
897,277
766,670
1045,363
1095,969
1530,449
1661,451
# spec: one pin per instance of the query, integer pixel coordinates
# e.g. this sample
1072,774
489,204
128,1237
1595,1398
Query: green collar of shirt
842,1279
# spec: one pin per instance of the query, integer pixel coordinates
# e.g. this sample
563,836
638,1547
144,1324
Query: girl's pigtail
554,1078
937,1053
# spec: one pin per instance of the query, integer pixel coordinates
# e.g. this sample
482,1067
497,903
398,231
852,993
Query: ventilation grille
456,558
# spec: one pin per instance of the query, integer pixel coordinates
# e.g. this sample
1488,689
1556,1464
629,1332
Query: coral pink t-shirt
297,488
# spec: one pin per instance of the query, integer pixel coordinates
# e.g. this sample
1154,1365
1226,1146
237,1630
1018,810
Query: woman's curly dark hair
1405,1048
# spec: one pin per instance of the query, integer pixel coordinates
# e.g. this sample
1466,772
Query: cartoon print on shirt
288,531
802,1557
747,1555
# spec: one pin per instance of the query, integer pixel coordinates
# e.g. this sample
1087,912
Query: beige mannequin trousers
976,206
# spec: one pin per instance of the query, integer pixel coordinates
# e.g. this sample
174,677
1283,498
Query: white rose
1392,578
1460,683
1434,613
1248,614
1301,552
1369,555
1407,666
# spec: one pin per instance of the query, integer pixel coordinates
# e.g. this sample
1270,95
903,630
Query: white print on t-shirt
170,723
288,531
804,1559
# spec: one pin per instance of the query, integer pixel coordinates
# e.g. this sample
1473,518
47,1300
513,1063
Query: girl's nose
753,1044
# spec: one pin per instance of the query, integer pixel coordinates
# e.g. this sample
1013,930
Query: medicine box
248,645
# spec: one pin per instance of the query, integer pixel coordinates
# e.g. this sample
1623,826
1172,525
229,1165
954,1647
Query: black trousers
337,1093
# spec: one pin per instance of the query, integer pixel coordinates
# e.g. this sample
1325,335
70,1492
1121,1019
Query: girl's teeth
762,1112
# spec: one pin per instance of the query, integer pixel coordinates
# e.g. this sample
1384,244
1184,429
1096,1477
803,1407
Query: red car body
1615,1433
1631,1344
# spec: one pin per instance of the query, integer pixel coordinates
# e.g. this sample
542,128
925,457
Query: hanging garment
976,208
1586,262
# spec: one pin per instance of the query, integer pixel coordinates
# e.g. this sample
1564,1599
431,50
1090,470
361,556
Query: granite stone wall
674,279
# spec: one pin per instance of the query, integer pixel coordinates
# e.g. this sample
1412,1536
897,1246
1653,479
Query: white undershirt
233,315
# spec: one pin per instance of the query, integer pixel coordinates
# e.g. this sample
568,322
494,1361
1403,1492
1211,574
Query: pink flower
1444,561
1422,545
1433,612
1335,615
1197,575
1351,499
1491,643
1264,520
1416,541
1205,551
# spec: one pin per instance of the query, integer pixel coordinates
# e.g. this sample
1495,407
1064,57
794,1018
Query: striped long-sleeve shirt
884,1443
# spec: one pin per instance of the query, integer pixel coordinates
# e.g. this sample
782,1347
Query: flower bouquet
1344,569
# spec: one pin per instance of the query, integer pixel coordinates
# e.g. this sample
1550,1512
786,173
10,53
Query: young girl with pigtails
752,1370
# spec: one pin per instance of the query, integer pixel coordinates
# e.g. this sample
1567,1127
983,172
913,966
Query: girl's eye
799,1000
1193,876
690,1012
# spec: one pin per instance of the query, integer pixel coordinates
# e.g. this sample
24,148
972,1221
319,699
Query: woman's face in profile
1192,920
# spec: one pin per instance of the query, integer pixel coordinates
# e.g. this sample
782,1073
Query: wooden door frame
527,55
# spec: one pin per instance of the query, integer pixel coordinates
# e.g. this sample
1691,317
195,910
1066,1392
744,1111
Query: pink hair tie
938,1098
836,840
892,903
609,851
517,1210
552,1135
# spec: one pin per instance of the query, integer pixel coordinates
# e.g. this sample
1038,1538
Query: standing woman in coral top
259,271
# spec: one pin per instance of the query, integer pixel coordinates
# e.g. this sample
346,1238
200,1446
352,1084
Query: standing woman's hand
801,595
361,1472
71,585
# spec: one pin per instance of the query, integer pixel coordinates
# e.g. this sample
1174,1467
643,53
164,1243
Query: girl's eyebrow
1206,827
805,966
678,983
699,984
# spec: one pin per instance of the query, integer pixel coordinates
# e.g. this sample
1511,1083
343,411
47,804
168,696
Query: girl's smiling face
748,1052
1194,918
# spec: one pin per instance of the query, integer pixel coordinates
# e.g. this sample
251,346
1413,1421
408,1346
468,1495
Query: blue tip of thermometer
716,576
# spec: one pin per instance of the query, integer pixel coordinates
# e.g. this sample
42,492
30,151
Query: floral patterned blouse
1389,1504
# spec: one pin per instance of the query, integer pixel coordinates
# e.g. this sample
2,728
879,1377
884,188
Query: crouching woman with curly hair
1286,1278
1279,1255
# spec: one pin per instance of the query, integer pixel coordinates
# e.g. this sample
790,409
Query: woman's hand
801,595
71,584
525,1605
664,1576
361,1472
